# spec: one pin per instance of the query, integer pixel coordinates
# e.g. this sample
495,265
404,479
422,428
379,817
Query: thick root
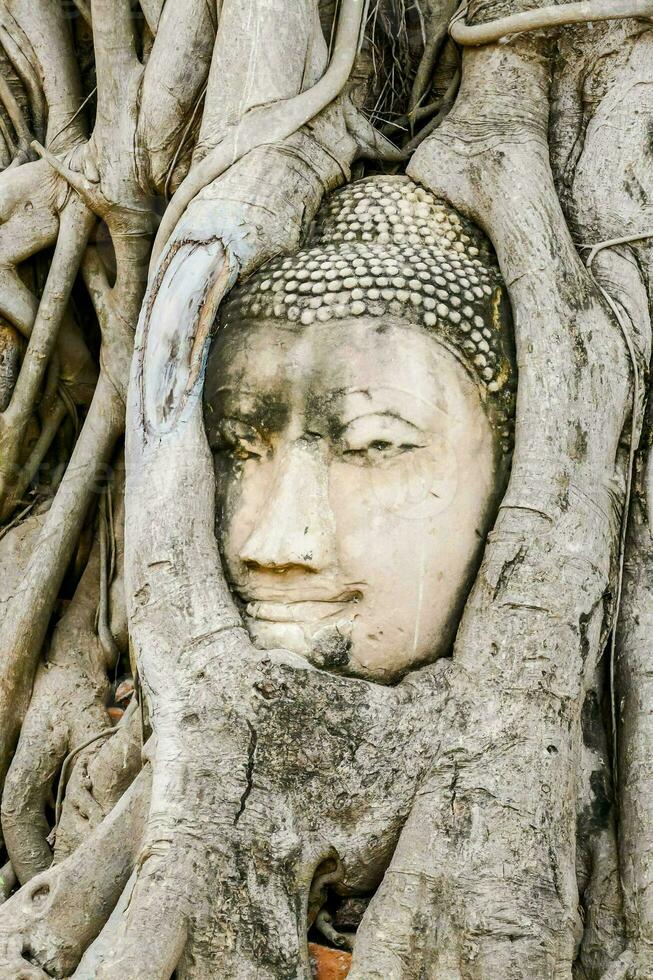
50,922
26,621
98,781
68,706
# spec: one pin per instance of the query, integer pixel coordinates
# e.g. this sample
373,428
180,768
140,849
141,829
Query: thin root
545,18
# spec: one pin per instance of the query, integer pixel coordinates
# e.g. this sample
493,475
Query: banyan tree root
315,776
75,227
546,18
121,202
39,36
98,780
42,932
67,707
122,198
636,735
177,69
617,90
26,622
273,123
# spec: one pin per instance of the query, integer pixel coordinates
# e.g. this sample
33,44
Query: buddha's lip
298,610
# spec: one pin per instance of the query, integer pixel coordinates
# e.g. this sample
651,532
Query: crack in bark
508,568
249,770
452,789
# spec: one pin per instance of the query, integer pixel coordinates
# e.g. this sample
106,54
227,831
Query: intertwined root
67,708
277,774
43,927
295,770
274,771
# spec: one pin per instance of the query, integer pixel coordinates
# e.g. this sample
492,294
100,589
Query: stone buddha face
357,476
358,463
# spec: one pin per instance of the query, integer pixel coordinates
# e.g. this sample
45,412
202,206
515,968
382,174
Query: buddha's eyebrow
267,412
413,401
247,398
383,413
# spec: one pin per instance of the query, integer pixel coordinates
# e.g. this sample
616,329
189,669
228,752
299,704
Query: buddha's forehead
342,366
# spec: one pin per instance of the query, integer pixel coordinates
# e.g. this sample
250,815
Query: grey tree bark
155,154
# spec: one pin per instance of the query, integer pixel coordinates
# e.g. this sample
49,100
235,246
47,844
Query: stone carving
359,403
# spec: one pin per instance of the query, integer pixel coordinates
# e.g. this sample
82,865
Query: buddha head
358,403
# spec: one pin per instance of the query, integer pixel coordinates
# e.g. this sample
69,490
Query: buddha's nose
296,526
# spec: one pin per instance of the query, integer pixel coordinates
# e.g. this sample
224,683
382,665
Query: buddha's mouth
300,611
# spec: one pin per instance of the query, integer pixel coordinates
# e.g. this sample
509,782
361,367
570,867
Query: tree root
20,53
40,37
634,689
30,222
26,622
76,225
67,706
152,10
152,957
15,114
99,779
604,210
40,928
129,219
270,124
437,31
174,78
266,822
10,353
8,882
444,107
545,18
50,426
633,964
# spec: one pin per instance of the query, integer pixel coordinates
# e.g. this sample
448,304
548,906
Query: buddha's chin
332,647
327,647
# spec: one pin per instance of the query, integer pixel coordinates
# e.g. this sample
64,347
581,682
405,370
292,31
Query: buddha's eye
239,441
376,438
379,449
380,445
